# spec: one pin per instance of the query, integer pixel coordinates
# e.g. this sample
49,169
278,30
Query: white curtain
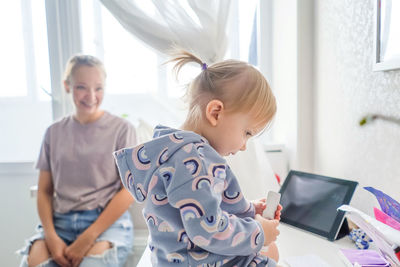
198,26
253,171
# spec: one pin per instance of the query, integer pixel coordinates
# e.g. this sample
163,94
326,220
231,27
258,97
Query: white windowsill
17,168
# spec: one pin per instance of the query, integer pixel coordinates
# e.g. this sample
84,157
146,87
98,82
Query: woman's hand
57,248
259,205
114,209
78,249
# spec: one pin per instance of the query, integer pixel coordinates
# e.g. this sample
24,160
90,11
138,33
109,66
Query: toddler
195,210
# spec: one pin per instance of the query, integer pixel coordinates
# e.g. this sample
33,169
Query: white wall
346,89
284,73
292,79
21,143
18,214
323,80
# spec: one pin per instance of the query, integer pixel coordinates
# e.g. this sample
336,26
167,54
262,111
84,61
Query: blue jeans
71,224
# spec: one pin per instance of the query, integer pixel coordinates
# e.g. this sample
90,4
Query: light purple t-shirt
79,157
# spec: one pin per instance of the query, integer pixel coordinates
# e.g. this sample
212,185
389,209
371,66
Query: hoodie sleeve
123,169
135,185
199,189
241,208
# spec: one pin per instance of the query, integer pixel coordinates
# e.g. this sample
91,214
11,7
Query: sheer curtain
253,170
196,26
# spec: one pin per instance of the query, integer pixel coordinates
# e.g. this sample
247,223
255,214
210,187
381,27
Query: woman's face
87,86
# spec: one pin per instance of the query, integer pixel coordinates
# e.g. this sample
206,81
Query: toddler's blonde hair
237,84
77,61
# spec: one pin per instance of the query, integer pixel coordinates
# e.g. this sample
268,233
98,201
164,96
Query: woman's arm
55,244
114,209
44,202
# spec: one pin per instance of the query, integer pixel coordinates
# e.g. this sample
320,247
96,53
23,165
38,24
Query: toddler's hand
270,228
278,212
259,205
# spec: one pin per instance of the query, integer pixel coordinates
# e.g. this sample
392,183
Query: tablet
310,202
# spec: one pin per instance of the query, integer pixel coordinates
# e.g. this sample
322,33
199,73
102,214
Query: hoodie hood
136,165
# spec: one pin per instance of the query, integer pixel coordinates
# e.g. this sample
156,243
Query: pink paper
386,219
388,205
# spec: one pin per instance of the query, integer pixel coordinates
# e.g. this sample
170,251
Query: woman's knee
99,248
38,253
102,254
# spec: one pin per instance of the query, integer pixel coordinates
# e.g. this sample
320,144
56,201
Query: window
139,85
12,53
136,76
25,107
131,66
247,21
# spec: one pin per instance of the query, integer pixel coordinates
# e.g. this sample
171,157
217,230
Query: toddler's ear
214,110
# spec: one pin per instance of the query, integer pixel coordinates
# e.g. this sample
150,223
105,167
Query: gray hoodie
195,210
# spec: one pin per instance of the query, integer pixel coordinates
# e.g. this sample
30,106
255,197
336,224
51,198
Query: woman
81,203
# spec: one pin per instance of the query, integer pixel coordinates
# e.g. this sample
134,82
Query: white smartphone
273,199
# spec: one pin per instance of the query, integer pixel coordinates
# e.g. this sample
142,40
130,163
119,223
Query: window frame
28,43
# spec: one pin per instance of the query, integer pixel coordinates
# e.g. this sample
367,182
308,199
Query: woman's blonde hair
82,60
237,84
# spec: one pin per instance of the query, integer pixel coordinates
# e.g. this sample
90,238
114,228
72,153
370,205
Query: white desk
295,242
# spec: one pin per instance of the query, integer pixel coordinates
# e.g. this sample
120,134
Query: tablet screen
310,202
